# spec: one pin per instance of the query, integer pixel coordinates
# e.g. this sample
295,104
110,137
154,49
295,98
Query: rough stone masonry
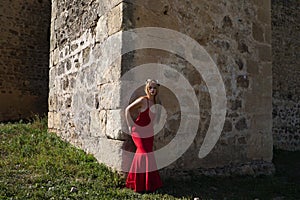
24,58
236,35
84,97
286,70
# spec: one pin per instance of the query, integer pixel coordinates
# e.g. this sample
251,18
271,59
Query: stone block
50,120
52,102
252,67
264,5
264,13
260,145
98,123
101,29
54,10
109,97
257,103
106,151
227,126
268,34
52,74
115,19
257,32
251,102
53,41
262,122
264,53
241,124
115,124
110,73
86,55
56,120
266,70
235,104
262,86
147,16
55,57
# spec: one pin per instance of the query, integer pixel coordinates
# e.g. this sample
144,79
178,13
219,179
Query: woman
143,175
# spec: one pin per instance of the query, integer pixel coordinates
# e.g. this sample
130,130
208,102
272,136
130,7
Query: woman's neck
151,98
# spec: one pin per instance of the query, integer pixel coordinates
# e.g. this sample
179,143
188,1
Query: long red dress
143,174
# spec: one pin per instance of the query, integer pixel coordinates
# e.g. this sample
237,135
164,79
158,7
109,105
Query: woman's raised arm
138,103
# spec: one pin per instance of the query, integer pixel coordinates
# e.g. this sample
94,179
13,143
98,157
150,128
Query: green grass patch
36,164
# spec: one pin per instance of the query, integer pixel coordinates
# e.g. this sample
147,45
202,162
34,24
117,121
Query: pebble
73,189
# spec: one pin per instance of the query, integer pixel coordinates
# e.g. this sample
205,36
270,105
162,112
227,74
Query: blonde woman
143,175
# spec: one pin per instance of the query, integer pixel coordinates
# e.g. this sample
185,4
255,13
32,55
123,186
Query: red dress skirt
143,174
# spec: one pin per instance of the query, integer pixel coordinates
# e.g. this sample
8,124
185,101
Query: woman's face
152,88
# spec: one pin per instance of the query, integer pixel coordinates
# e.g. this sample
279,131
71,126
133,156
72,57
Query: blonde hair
148,82
156,97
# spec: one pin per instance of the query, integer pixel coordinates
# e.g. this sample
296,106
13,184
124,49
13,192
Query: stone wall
84,89
24,58
84,104
286,70
237,35
84,100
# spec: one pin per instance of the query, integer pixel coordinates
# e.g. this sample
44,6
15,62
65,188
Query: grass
38,165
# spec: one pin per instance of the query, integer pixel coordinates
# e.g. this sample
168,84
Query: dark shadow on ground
283,184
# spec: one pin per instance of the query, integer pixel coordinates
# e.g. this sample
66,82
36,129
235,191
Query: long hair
156,97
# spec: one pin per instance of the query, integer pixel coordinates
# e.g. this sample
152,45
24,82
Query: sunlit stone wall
84,100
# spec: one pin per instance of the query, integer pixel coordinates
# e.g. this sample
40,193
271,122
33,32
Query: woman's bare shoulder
143,98
139,101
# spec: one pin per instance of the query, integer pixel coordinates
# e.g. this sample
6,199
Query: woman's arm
138,103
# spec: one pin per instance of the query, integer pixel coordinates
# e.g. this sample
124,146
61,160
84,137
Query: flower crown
150,80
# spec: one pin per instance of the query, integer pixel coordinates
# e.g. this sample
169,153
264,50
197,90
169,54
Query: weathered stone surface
110,96
115,19
98,123
257,32
227,126
114,124
97,146
236,34
236,104
241,124
243,81
101,29
236,41
252,67
285,72
24,59
264,52
85,92
263,152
